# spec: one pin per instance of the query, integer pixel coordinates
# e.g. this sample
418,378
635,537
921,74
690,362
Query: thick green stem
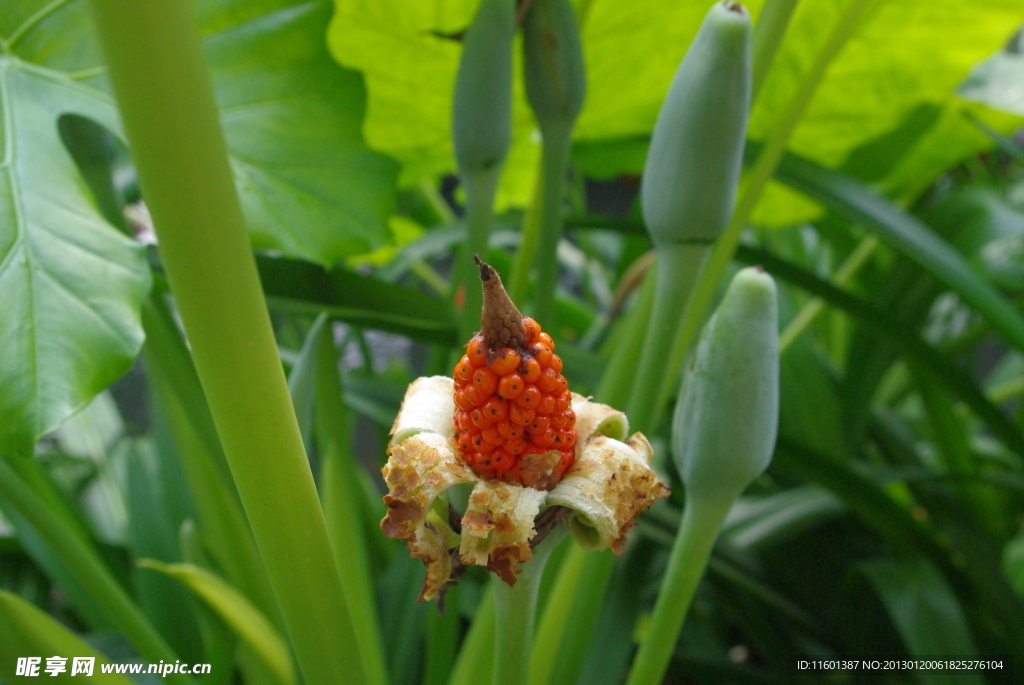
166,102
514,611
690,551
480,190
678,267
88,569
755,183
557,146
475,661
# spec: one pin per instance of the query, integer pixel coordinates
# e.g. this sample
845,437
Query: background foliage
890,523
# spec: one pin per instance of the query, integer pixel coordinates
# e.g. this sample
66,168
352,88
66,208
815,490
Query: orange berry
505,361
513,475
555,363
485,381
473,396
511,386
564,464
531,327
511,396
496,409
539,425
463,370
481,445
529,398
541,352
480,419
492,437
502,461
509,430
477,351
515,447
543,439
520,416
547,404
530,369
548,381
461,400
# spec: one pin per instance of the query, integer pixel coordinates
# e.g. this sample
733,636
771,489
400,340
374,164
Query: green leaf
339,491
859,204
180,402
292,119
926,612
905,59
409,54
72,284
363,301
910,345
27,631
248,623
86,566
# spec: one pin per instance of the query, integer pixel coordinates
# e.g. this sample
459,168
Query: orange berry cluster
512,403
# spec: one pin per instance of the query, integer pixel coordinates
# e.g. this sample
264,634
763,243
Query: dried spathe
609,483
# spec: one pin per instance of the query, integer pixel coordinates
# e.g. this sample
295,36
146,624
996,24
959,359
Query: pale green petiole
690,551
515,614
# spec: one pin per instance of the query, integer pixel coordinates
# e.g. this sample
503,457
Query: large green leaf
891,87
72,284
293,121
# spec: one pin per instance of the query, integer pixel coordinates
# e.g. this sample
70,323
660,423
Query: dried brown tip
500,320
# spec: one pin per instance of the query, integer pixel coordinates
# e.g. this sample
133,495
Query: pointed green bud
693,165
482,107
556,79
724,429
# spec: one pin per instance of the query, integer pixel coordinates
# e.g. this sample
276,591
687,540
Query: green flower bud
693,165
556,79
482,108
725,426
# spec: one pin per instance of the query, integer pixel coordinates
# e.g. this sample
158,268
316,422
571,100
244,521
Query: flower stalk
690,179
723,436
481,128
555,79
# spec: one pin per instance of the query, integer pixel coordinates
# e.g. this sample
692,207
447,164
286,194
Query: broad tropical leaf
71,284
